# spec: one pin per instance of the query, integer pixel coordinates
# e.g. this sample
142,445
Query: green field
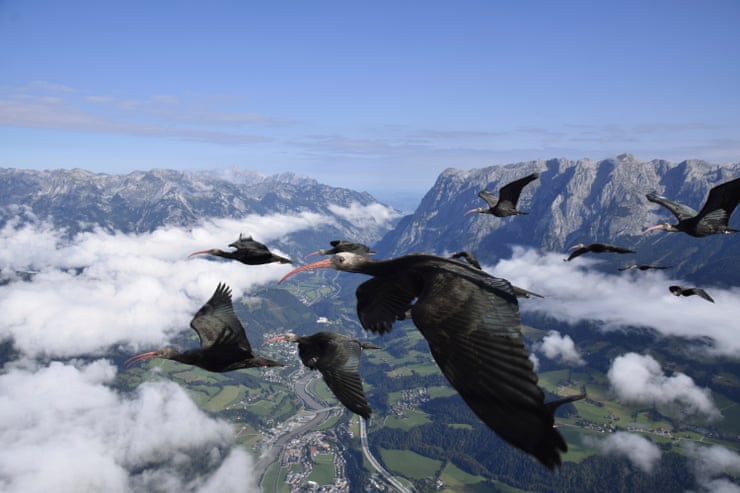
410,464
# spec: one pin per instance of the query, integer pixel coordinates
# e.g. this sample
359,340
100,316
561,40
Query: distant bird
595,248
248,251
337,357
344,246
682,291
505,204
713,217
473,261
223,343
645,267
471,322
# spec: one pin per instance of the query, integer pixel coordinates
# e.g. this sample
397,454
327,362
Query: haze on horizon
377,96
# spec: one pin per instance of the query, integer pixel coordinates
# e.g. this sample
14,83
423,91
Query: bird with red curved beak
247,251
471,323
223,343
343,246
505,204
713,218
337,357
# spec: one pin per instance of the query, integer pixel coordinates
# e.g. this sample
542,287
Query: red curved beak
200,252
321,264
312,253
276,338
651,228
470,211
140,357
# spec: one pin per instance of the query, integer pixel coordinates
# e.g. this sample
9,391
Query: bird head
166,353
345,261
212,251
577,245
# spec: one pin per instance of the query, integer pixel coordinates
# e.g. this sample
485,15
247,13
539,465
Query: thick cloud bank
640,451
65,430
574,292
640,379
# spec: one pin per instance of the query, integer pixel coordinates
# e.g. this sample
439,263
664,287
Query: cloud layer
640,451
574,293
64,429
640,379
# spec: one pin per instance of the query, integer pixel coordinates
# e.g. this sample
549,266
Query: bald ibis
473,261
645,267
223,343
683,291
471,322
337,357
247,251
713,217
595,248
505,204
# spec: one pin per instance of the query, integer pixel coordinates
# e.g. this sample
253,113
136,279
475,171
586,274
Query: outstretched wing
510,192
721,202
681,211
490,198
577,253
703,294
216,323
472,325
381,301
340,367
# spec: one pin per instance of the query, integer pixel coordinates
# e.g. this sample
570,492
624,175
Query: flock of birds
469,318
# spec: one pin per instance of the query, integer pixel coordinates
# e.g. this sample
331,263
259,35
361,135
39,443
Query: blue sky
378,96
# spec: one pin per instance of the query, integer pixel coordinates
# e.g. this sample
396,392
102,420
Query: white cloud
556,346
373,215
643,453
65,429
100,290
574,292
709,463
640,379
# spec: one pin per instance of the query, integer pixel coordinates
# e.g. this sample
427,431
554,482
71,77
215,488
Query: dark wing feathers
216,322
475,338
380,302
510,192
681,211
723,198
338,359
490,198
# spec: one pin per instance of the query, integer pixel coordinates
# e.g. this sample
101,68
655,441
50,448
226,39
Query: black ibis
683,291
247,251
505,204
223,343
343,246
471,322
645,267
595,248
713,217
473,261
337,357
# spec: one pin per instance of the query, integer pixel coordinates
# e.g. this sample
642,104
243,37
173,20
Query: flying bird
337,357
505,204
247,251
344,246
595,248
713,217
471,322
682,291
223,343
473,261
645,267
